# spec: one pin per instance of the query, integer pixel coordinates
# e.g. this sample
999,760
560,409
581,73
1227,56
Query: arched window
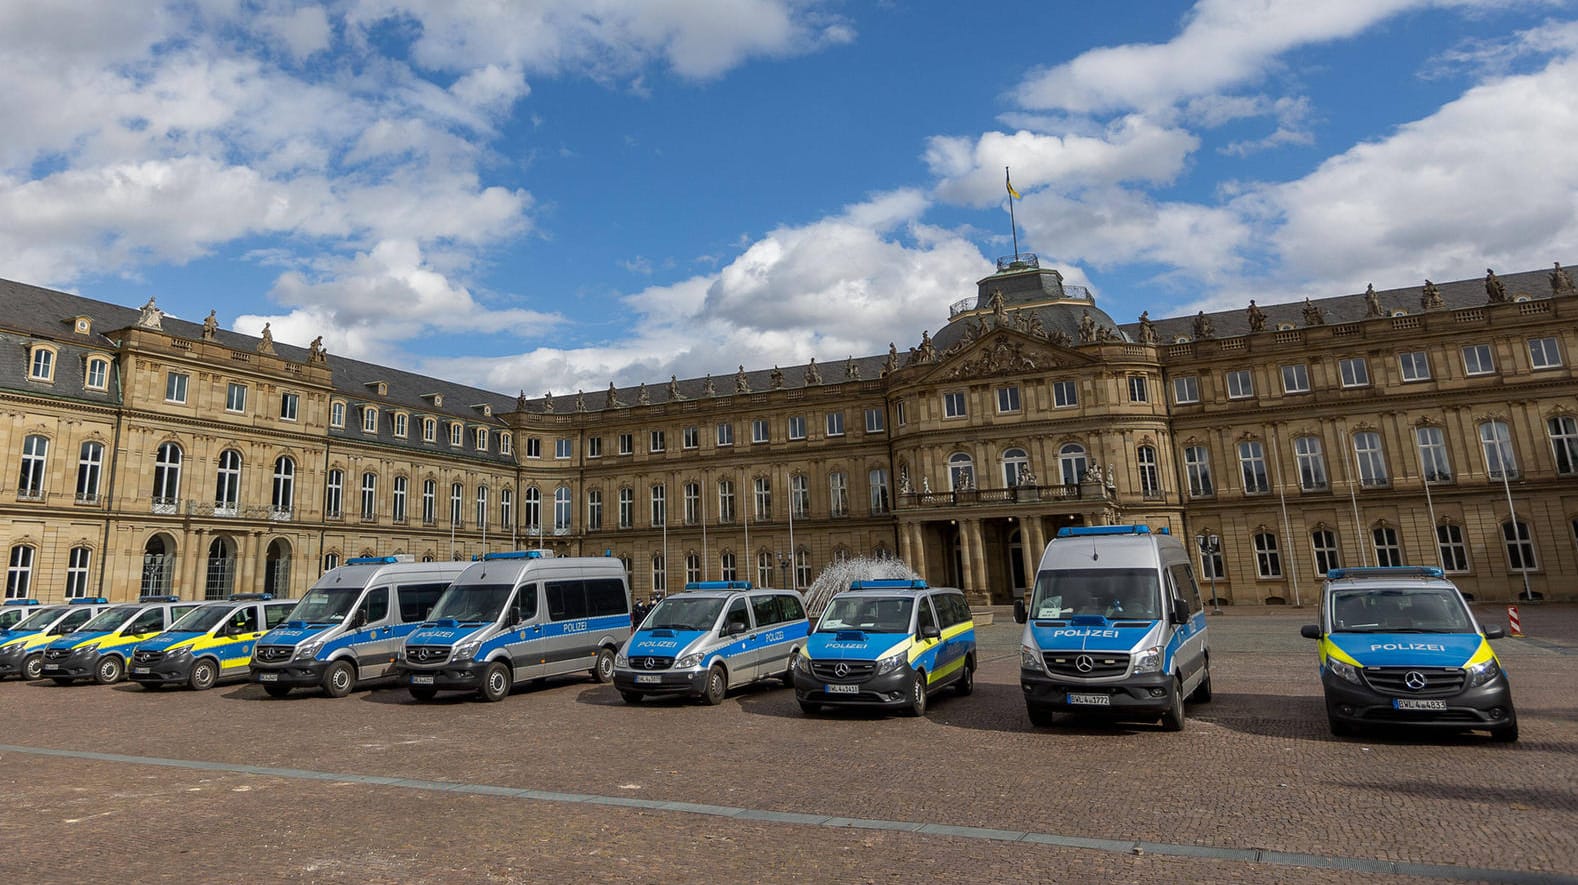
1496,442
692,568
158,564
78,565
659,505
369,496
331,561
533,514
482,507
627,507
276,571
726,566
1312,463
98,374
1071,463
457,497
90,468
961,471
220,579
561,510
167,476
429,503
30,484
725,501
1150,475
19,574
506,508
659,574
284,499
1014,463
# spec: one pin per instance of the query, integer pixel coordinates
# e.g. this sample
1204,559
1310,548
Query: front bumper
1483,706
79,665
690,682
163,672
1146,695
297,674
453,676
12,659
890,690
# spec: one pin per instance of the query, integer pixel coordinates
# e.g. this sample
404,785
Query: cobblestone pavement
118,783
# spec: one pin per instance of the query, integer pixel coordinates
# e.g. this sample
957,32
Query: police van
1400,646
347,628
209,644
715,636
887,643
22,648
1115,627
519,615
14,610
100,648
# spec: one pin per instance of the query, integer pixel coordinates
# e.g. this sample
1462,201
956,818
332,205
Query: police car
210,643
1399,646
715,636
22,648
887,643
99,649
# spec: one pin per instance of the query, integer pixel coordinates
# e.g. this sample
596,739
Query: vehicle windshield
682,613
110,618
38,620
471,603
1118,594
201,619
873,614
325,606
1398,610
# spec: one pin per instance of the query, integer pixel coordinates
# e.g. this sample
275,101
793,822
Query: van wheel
204,674
810,708
966,683
495,682
717,687
339,679
1040,717
1505,734
1173,719
33,667
420,692
111,669
917,704
1202,692
632,697
276,691
603,669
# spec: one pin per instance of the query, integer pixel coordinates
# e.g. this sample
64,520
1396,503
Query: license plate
49,667
648,678
1090,700
842,689
268,677
141,671
421,680
1418,704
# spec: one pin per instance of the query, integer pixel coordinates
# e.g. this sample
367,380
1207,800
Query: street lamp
1210,546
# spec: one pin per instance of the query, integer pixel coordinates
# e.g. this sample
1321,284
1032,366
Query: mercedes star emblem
841,670
649,664
1415,680
1084,664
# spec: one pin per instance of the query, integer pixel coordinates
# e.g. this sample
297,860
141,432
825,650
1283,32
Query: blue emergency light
889,584
158,599
1386,571
21,602
512,554
718,585
88,600
237,597
1093,531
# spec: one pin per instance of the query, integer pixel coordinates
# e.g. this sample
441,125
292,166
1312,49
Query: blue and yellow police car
209,644
100,648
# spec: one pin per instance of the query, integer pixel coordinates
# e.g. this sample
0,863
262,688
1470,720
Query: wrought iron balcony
974,497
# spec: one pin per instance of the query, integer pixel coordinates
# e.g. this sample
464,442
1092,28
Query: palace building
1433,425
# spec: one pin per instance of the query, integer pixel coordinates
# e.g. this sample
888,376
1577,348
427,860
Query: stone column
190,583
246,563
916,532
973,554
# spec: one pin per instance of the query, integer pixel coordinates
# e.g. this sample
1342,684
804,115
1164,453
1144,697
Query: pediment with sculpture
1003,352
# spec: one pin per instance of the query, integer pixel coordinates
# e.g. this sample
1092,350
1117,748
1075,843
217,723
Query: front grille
427,654
1086,665
1394,680
650,663
854,671
57,654
274,654
143,656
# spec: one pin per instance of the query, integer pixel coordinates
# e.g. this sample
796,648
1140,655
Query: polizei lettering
1408,646
1074,631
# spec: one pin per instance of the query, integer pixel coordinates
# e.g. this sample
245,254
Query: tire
204,674
339,679
423,692
717,687
496,683
275,690
603,668
1173,719
33,667
632,697
111,669
966,682
810,708
1505,734
1202,692
917,704
1040,717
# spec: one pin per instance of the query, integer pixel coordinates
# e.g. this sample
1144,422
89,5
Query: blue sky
556,194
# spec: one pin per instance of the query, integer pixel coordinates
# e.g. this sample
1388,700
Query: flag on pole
1008,181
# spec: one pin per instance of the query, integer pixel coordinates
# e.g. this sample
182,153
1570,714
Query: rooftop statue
1430,298
580,401
612,402
1561,282
851,371
211,326
778,378
547,401
891,364
266,341
673,388
1494,288
812,376
1312,314
151,317
708,387
315,351
927,353
1148,328
1203,328
740,384
1257,317
1087,328
642,397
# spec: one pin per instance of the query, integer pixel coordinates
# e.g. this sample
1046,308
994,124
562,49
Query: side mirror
358,619
1494,632
1180,612
1021,614
1310,631
735,628
930,631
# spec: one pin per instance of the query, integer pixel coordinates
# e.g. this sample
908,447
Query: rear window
607,596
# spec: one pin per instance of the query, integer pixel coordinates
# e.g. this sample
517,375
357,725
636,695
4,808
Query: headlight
308,650
892,662
1030,659
184,651
620,660
1346,671
688,661
1149,660
464,650
84,649
1482,672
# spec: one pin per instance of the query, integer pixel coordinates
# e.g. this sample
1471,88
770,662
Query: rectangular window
874,421
953,405
480,439
1372,462
1239,384
627,507
1520,546
725,434
1544,354
1563,430
1323,543
659,505
1138,389
336,414
627,444
1355,372
1197,463
877,481
1312,463
289,403
1268,560
1388,553
1433,462
594,510
1414,365
1252,466
594,447
369,419
835,423
796,427
1186,389
1296,378
563,449
533,447
838,494
1065,394
1454,551
900,414
402,421
235,397
1477,360
656,441
759,430
1008,398
692,503
692,438
1150,475
77,573
175,387
800,495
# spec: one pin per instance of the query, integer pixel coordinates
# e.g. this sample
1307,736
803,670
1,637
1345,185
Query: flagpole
749,558
1012,222
794,567
704,555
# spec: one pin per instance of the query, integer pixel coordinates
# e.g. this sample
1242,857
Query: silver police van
521,615
1115,627
348,626
715,636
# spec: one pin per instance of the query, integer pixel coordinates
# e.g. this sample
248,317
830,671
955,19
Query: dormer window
437,399
369,419
482,439
97,376
485,409
457,433
379,387
429,430
400,420
337,414
82,325
41,363
506,444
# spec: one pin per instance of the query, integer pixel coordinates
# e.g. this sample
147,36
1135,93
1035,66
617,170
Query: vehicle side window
245,619
150,621
947,615
739,612
73,621
606,596
377,604
526,602
566,600
1184,586
793,608
923,615
766,610
274,615
416,600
